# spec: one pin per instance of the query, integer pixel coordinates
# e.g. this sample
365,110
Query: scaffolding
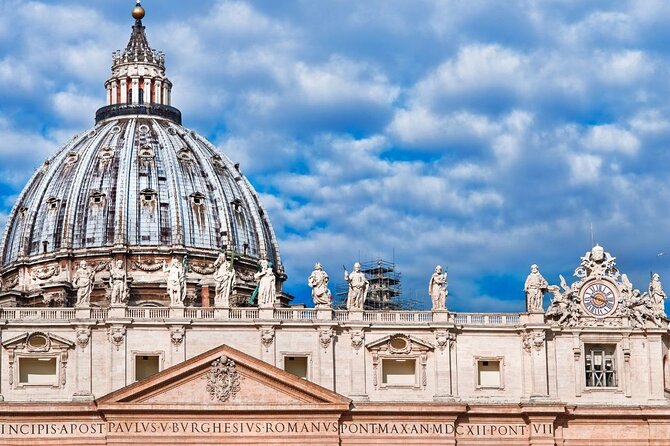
384,291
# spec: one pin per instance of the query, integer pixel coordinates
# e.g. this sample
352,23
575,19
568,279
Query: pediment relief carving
400,344
38,341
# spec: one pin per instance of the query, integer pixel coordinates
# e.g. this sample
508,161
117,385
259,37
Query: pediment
400,343
38,342
224,378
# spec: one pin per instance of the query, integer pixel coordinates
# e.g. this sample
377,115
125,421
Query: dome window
185,155
116,129
148,196
107,153
22,212
72,158
198,199
97,199
147,153
144,129
237,205
53,203
217,162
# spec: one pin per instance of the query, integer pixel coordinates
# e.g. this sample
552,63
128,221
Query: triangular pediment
400,343
224,378
38,341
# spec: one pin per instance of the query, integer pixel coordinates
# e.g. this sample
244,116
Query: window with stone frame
489,372
37,359
297,364
146,364
399,361
600,365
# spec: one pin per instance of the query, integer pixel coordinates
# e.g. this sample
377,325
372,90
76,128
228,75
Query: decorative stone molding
357,338
325,337
83,335
116,335
202,269
57,298
535,339
177,335
223,381
45,273
148,266
444,339
11,282
267,337
400,347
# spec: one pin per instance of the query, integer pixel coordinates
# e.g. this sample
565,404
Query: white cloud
586,168
611,138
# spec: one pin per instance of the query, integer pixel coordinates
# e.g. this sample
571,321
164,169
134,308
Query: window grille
600,366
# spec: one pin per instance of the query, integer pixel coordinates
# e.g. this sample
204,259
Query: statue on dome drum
83,282
266,291
176,282
358,288
535,287
118,283
318,280
224,276
437,289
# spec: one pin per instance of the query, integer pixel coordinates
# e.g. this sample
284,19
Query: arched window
141,98
130,95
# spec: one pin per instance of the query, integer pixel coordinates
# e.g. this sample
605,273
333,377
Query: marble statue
597,263
267,291
117,283
657,296
535,287
83,281
437,289
318,280
224,276
176,282
358,288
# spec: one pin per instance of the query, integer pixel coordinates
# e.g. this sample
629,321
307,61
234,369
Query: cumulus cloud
486,140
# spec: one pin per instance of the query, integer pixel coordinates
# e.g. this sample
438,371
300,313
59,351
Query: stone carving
223,381
148,266
266,290
45,273
444,339
358,288
118,283
597,263
437,289
318,280
116,335
357,338
10,283
83,282
657,296
535,339
177,335
325,336
224,276
267,337
535,287
176,282
82,336
599,285
202,269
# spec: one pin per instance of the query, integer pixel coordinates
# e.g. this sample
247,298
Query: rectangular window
488,373
146,366
38,371
296,365
600,365
399,372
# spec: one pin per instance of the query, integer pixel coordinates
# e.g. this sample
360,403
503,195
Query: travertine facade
127,257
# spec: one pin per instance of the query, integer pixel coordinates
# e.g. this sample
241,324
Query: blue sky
483,136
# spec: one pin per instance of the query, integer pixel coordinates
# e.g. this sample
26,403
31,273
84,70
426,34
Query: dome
137,187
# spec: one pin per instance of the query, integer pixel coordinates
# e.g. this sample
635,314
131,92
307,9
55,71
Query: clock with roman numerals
599,298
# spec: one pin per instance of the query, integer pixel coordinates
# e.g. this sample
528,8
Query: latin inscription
271,428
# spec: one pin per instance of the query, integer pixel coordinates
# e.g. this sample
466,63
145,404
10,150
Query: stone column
539,365
136,90
124,91
116,334
148,91
159,92
83,352
443,366
655,359
357,372
115,93
326,357
268,344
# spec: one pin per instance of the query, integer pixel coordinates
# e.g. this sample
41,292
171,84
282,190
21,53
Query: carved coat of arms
223,381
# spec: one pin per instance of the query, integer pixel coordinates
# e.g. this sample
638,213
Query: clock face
599,299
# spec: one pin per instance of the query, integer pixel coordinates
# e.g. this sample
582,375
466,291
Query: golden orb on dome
138,12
